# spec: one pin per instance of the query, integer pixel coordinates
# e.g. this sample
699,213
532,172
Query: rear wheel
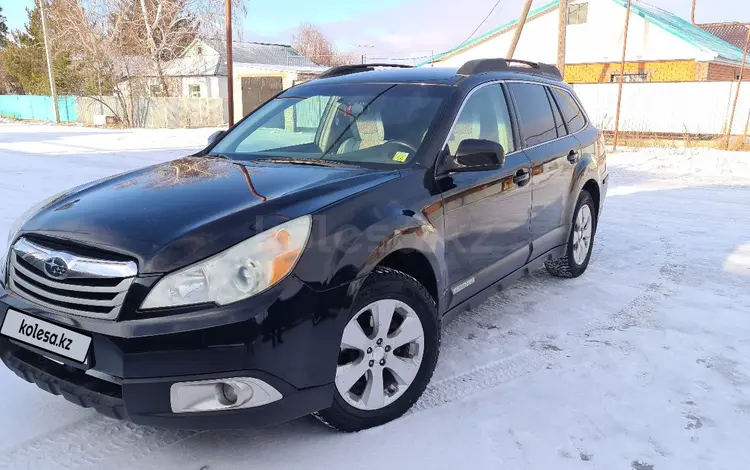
580,240
388,352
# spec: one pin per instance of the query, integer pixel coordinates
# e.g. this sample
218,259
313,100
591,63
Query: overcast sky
402,28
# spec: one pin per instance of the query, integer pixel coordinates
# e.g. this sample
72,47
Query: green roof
667,21
684,30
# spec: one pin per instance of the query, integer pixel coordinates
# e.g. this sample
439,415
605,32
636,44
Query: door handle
573,156
522,177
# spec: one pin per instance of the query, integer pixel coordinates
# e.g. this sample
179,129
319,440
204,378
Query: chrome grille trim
122,286
78,266
73,291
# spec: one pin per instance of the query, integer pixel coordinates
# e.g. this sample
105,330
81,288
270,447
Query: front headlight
244,270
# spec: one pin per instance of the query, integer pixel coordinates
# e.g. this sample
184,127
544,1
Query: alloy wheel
582,230
381,352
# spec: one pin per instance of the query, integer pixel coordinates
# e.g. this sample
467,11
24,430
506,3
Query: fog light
225,394
221,394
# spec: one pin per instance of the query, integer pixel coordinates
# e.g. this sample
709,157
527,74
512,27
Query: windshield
356,124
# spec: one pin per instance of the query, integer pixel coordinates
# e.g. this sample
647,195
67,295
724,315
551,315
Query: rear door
486,212
553,152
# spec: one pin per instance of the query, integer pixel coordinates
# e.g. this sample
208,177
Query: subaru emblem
55,267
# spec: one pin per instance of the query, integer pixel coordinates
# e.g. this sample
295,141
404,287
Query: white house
260,70
662,47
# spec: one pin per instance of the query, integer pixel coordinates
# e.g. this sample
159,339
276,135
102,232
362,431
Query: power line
480,24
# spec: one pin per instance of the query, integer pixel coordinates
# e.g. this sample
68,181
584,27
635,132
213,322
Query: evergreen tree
3,27
25,62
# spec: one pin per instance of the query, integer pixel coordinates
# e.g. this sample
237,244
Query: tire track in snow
481,378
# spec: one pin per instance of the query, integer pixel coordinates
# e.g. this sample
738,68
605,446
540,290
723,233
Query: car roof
436,75
448,76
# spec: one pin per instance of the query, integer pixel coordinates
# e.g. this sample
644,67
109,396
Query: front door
486,212
258,90
553,154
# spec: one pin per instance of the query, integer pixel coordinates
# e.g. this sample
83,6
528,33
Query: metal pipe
50,71
519,28
230,72
562,29
622,76
737,91
692,13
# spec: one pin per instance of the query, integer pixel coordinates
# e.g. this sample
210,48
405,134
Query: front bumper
287,338
146,401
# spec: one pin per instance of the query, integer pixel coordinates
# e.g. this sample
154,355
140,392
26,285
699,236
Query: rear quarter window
572,113
535,113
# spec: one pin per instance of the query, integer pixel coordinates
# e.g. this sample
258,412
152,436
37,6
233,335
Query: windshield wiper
300,161
217,155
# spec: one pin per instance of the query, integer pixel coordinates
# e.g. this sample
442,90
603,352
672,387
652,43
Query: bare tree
311,43
124,42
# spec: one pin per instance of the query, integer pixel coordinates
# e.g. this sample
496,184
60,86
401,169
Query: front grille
91,287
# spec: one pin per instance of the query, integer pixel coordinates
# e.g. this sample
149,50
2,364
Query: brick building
662,47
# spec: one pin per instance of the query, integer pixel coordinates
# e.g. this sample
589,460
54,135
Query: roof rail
355,68
504,65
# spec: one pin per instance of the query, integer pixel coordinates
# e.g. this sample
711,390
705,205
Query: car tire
580,240
413,307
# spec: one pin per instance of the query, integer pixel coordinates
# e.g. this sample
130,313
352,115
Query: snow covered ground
642,363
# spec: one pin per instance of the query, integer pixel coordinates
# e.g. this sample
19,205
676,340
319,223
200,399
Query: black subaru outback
306,259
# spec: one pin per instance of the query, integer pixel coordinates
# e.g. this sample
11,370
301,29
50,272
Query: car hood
170,215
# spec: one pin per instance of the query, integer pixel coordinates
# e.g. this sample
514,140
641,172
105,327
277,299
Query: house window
629,77
737,75
578,13
156,90
194,91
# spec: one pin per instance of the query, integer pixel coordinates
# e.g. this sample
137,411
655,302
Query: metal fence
141,112
37,108
155,111
670,108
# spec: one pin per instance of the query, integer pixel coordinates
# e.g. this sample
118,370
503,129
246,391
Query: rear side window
571,111
561,132
537,122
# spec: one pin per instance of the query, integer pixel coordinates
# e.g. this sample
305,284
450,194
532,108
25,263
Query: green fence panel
37,108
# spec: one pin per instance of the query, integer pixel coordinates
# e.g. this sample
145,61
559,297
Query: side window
485,115
570,110
559,124
537,121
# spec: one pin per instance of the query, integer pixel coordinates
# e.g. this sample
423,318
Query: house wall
599,40
657,71
725,72
202,82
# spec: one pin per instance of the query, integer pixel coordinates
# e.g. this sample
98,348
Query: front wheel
580,240
388,352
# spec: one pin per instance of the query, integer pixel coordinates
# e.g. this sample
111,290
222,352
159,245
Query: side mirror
213,137
476,155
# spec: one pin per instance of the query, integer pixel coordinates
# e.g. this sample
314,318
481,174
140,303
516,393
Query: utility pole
562,28
52,89
622,76
519,28
737,91
230,72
